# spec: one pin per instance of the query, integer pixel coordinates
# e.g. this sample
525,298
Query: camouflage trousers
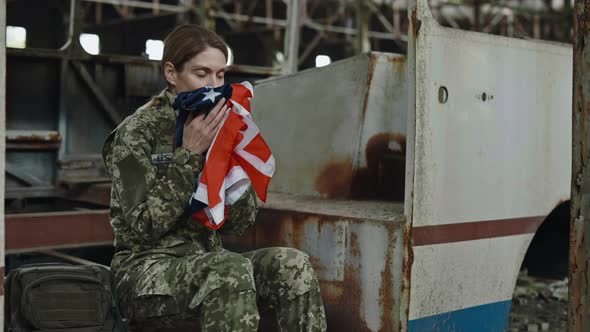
226,291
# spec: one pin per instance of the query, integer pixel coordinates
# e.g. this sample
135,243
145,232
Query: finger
218,118
218,127
198,119
216,109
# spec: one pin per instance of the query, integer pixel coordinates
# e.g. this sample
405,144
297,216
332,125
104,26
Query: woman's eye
201,74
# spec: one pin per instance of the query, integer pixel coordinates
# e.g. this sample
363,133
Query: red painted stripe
448,233
57,229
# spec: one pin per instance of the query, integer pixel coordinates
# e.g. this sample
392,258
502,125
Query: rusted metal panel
37,231
334,143
32,140
32,136
341,138
355,247
579,315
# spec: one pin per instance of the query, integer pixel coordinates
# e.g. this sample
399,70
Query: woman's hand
199,130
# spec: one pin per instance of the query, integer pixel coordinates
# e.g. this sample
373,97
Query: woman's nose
216,82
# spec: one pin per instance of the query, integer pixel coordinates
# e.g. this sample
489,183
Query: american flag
238,157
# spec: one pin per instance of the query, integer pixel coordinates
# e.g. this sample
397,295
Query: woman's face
204,69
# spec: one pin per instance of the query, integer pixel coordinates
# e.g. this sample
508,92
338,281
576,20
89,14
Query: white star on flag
211,94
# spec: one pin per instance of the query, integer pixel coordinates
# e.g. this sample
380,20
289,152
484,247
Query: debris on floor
539,304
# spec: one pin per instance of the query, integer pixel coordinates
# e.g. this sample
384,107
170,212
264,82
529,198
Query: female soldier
169,270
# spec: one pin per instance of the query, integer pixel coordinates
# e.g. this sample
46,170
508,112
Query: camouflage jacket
152,182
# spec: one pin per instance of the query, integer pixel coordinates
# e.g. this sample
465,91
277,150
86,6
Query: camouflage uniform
169,269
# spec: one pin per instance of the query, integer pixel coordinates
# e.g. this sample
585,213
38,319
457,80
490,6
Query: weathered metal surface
38,231
338,131
80,169
32,140
579,315
494,150
32,136
332,141
355,247
2,148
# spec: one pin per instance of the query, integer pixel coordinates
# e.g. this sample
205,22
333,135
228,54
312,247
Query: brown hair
188,40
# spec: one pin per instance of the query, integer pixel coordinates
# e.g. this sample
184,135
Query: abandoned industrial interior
423,149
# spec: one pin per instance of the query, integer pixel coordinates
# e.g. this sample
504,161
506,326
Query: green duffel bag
60,297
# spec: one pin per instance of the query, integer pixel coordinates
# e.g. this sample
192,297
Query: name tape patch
162,158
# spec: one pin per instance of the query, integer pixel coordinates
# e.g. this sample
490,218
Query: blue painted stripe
492,317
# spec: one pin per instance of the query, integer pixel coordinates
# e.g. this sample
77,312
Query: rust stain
397,59
335,178
386,299
581,122
416,23
382,179
408,260
342,299
373,59
353,295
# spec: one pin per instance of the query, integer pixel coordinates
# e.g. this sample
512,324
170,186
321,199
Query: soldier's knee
294,273
235,272
228,274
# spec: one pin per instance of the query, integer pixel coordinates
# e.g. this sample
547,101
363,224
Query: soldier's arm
152,197
242,214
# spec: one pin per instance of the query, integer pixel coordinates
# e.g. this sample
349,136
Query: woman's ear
170,73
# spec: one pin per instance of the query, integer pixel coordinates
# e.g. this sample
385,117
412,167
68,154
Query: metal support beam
24,176
2,141
268,12
32,140
104,102
62,125
316,40
142,4
579,315
377,11
397,31
362,26
295,11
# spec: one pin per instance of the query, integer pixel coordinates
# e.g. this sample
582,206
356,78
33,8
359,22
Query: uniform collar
167,97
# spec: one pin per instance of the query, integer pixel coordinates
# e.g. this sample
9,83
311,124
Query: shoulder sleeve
152,198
